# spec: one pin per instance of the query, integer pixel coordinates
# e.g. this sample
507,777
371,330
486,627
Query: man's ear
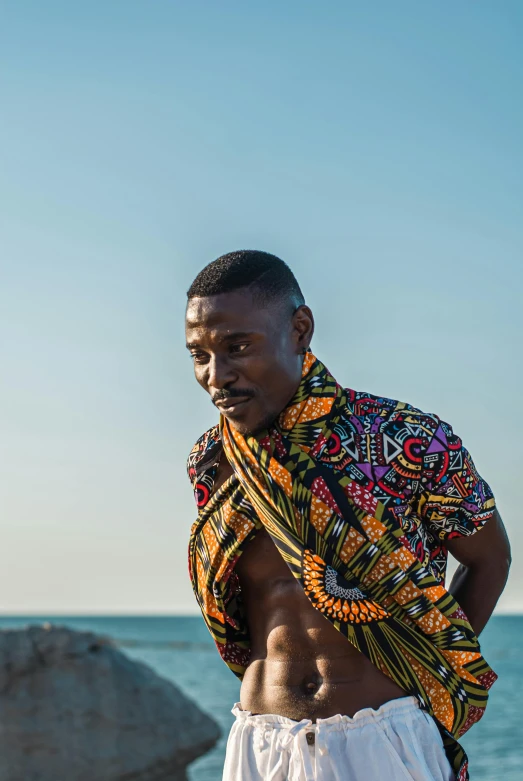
303,326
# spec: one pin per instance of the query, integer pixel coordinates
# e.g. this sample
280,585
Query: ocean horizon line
97,614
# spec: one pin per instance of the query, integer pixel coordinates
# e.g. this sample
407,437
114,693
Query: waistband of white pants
388,710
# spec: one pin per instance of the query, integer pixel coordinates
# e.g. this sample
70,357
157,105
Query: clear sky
376,147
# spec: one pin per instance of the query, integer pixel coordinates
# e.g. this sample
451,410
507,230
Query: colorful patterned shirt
411,461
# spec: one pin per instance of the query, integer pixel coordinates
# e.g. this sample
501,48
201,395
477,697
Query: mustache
232,393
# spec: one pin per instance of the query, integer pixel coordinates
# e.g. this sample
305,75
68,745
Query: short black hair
266,275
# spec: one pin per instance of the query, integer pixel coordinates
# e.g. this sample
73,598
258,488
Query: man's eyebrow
225,338
236,335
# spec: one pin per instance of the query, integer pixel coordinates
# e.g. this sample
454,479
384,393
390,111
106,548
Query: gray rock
75,708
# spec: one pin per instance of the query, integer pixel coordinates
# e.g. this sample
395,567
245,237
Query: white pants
397,742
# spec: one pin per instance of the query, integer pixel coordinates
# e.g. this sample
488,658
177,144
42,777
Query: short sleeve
455,501
205,454
202,465
194,462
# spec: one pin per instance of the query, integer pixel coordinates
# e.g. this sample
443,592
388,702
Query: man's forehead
236,310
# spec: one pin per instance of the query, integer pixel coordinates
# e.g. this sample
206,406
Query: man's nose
220,373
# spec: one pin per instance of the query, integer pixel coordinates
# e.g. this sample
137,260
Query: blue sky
375,147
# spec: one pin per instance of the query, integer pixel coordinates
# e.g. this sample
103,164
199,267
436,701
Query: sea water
181,649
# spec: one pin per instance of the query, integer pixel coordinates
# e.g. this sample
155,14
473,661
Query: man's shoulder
203,449
384,410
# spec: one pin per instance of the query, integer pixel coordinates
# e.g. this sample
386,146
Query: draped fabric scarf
348,552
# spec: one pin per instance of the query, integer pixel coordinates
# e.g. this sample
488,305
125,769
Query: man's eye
199,357
238,348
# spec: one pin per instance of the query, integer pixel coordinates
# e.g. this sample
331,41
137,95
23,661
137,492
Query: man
318,558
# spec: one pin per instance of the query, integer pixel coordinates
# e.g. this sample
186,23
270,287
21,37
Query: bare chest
261,566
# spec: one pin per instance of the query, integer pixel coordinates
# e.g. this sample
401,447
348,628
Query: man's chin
245,428
251,428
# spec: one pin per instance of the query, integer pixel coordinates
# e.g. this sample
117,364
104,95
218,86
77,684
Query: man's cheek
200,379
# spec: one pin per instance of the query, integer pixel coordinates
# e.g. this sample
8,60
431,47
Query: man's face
247,356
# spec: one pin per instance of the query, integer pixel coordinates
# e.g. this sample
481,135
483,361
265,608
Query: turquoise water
180,649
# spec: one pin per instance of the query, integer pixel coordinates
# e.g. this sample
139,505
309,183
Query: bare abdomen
301,666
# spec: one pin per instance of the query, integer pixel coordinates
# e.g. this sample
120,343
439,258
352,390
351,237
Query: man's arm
484,559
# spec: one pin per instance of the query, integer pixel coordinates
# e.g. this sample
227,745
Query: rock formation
75,708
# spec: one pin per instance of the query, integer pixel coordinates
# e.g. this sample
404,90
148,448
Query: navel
311,683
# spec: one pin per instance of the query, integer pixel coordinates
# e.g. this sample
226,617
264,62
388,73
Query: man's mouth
233,404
